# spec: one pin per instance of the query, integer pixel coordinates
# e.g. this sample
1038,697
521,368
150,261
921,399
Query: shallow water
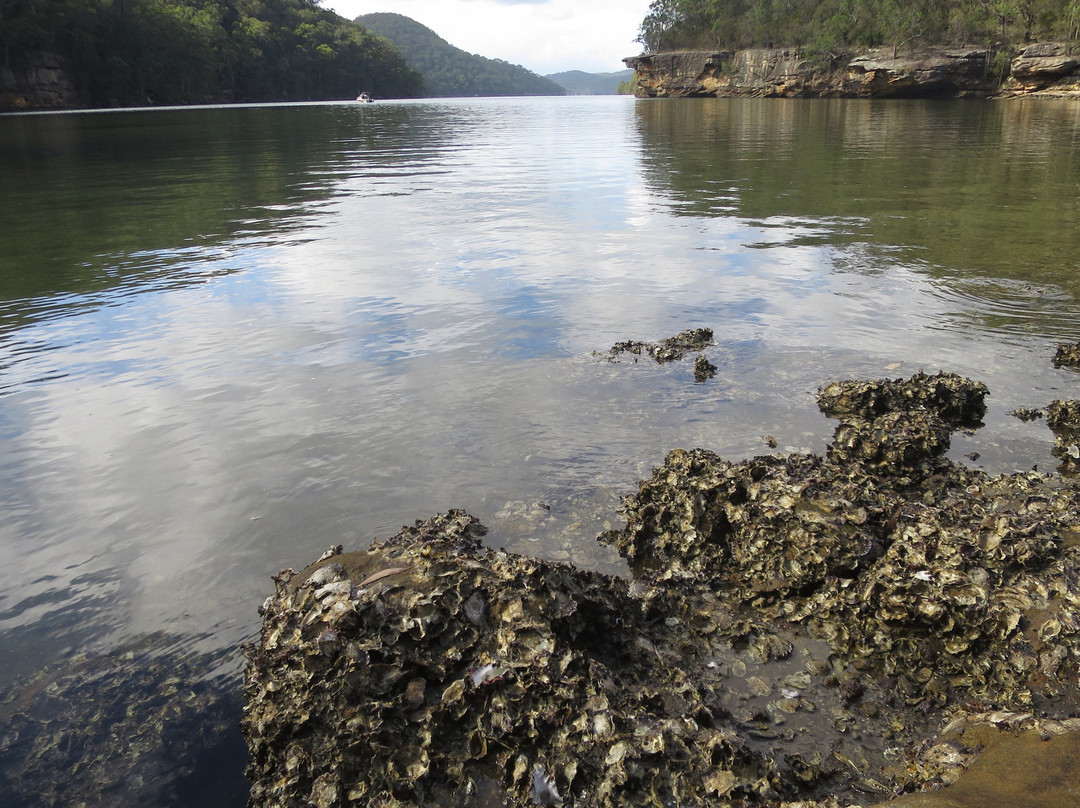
232,337
1026,769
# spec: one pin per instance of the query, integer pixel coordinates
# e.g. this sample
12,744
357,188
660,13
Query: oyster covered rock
443,670
1067,355
1063,418
669,349
954,399
900,425
703,368
801,631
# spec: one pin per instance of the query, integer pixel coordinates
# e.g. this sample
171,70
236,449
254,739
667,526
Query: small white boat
364,98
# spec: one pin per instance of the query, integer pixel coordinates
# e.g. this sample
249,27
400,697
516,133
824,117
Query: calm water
231,337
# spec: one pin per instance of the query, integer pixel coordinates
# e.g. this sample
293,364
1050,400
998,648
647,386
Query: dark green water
230,338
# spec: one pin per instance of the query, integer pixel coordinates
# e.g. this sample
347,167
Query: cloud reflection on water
422,338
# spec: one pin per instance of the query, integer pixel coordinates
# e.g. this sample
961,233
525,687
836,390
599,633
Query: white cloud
546,36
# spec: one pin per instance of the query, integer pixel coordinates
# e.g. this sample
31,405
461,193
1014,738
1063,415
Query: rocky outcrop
44,83
800,631
1046,69
686,74
952,73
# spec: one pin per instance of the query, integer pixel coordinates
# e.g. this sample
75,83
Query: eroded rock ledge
1045,68
800,630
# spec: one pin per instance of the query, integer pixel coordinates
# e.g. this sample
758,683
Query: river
231,337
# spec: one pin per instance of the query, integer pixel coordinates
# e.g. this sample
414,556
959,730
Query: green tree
660,25
125,52
835,25
1071,20
450,71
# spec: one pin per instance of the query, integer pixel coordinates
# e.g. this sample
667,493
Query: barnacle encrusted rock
796,631
1067,355
428,670
954,399
1063,418
669,349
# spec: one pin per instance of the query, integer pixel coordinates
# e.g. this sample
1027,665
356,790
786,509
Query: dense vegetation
451,72
837,25
182,51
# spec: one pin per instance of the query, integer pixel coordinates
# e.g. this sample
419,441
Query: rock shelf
1041,69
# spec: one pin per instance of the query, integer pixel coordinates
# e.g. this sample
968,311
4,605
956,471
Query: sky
545,36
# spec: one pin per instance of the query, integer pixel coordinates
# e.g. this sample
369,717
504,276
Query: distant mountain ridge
578,82
449,71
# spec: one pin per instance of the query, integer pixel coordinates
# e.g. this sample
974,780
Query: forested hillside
578,82
451,72
124,52
832,25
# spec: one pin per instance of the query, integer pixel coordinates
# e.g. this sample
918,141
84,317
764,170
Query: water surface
232,337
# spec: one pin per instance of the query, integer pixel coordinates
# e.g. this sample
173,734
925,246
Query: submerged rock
670,349
703,368
138,725
797,629
1001,760
1067,355
1027,413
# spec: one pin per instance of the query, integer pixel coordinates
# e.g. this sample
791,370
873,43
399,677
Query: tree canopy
834,25
578,82
124,52
451,72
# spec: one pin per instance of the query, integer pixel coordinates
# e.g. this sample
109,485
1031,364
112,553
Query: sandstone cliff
1043,69
1046,69
44,83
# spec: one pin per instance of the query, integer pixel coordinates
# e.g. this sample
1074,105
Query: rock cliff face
1045,69
954,73
45,83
